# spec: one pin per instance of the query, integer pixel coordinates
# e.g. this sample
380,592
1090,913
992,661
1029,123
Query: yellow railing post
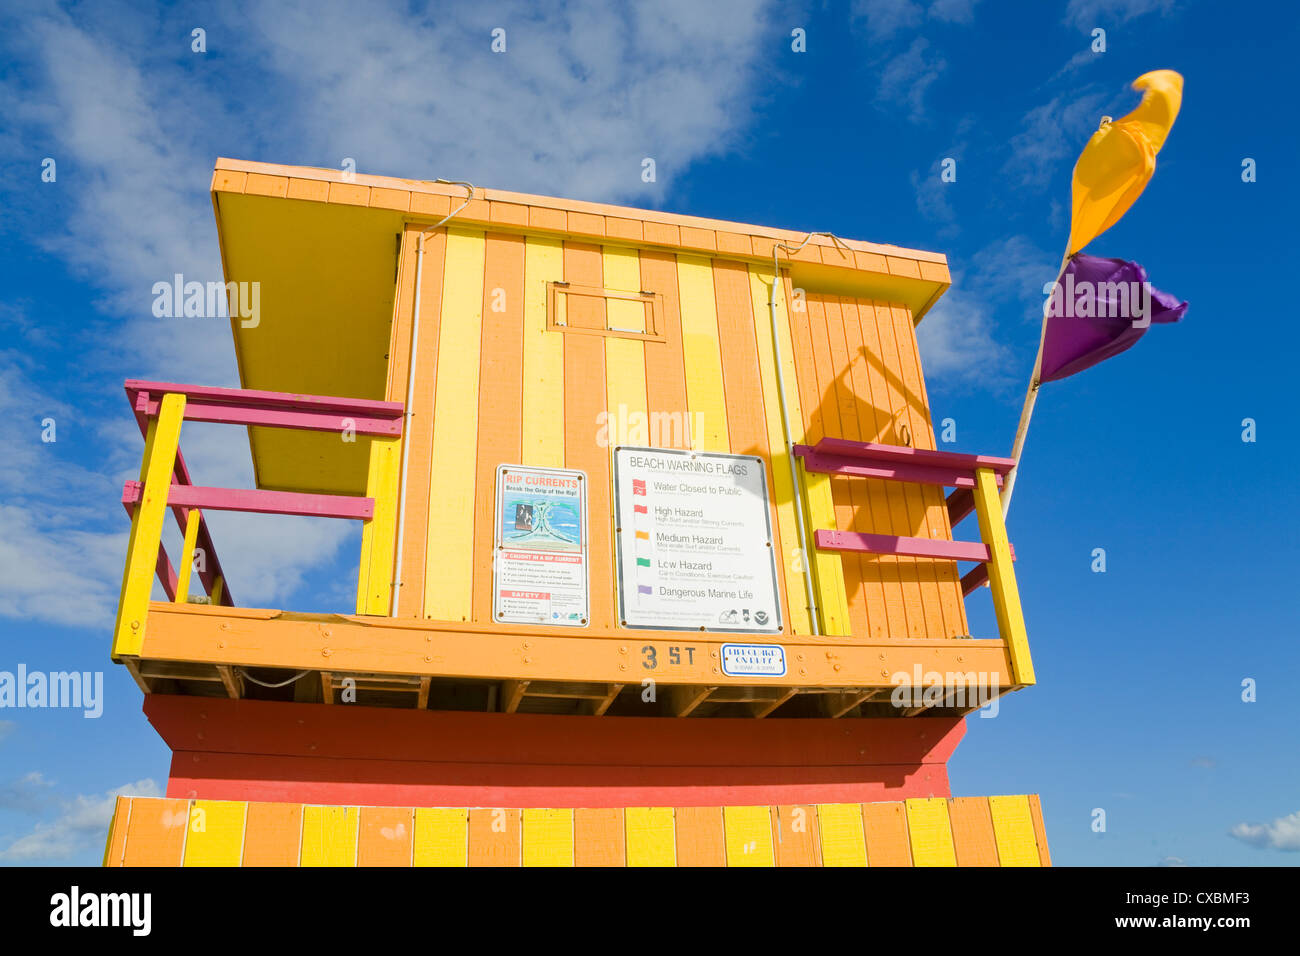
828,568
379,533
146,526
186,567
1002,576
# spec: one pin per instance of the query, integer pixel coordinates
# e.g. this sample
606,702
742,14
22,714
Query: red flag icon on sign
641,509
638,486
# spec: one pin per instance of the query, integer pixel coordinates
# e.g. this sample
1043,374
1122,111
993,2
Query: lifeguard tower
658,561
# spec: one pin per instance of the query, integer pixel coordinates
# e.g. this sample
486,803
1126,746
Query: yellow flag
1114,167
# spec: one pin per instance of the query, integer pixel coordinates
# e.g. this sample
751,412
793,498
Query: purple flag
1099,308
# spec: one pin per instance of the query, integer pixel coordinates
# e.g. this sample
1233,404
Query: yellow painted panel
216,833
366,562
1013,829
792,563
749,836
543,435
930,831
1002,576
651,836
449,570
828,569
163,436
844,842
329,836
441,837
703,355
185,565
625,358
378,552
548,837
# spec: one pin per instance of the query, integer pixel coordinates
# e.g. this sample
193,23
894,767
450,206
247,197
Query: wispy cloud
1086,14
82,821
906,78
1282,834
1050,133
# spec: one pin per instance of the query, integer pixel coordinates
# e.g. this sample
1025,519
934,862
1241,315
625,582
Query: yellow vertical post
379,533
828,568
186,567
1002,576
146,526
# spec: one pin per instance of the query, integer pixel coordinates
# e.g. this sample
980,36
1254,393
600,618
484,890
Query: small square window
610,312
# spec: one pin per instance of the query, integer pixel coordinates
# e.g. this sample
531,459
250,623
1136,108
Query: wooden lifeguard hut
658,561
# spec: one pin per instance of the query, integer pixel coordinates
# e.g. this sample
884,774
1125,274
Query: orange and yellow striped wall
494,383
962,831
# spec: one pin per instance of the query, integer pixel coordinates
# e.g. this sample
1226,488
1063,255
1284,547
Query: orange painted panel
584,399
795,835
665,370
972,831
887,838
156,832
500,397
419,460
742,386
495,837
701,839
385,836
116,845
272,834
599,837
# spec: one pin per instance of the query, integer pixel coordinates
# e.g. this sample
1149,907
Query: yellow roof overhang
323,247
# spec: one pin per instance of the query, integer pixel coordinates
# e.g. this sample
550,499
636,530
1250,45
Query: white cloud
1282,834
953,11
884,18
1086,14
1056,131
7,727
933,200
28,794
83,820
908,76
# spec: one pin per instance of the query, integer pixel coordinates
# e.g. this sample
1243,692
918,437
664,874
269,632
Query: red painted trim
220,413
248,397
823,463
827,540
317,753
257,501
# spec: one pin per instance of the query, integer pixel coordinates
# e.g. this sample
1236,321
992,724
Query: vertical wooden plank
665,369
749,836
146,527
625,380
115,845
1013,828
420,425
500,397
329,836
156,831
651,840
441,837
448,579
703,356
972,831
843,836
185,567
379,533
494,837
272,834
216,833
543,369
791,560
548,837
795,835
585,396
887,838
930,831
599,837
701,839
1040,830
743,393
951,603
386,836
1002,576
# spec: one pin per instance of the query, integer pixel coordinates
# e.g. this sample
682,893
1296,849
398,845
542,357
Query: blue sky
1138,709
